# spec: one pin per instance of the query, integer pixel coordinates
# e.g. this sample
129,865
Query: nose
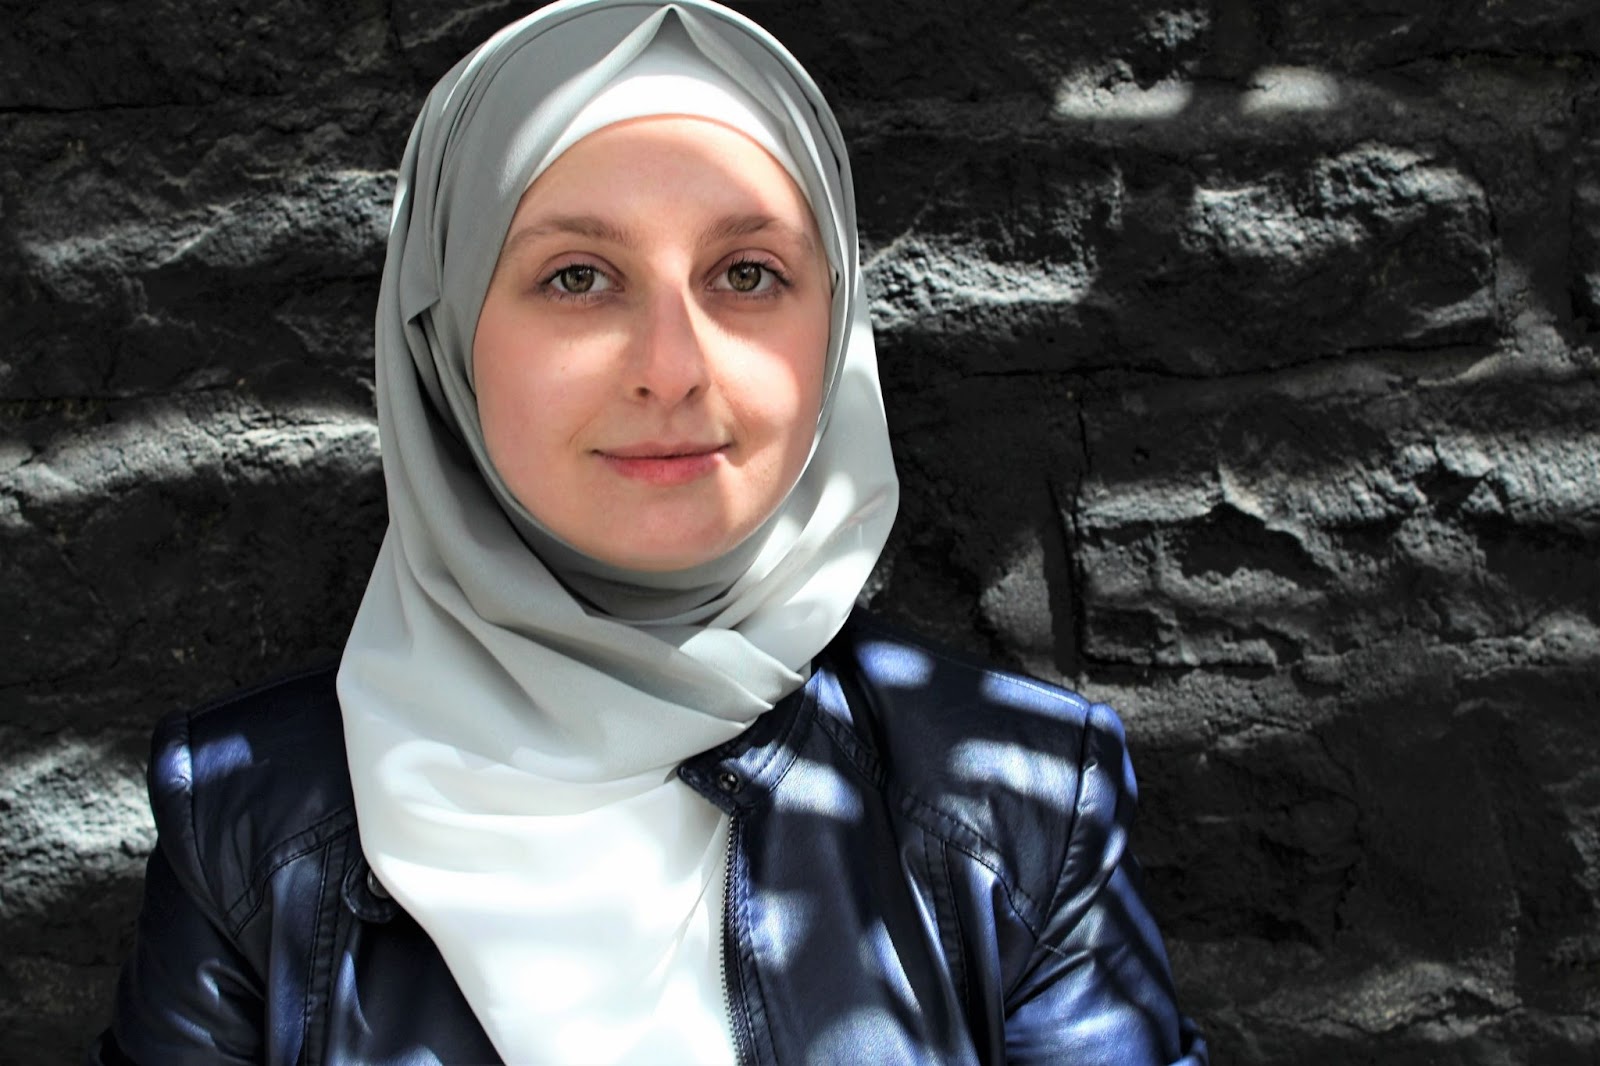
668,363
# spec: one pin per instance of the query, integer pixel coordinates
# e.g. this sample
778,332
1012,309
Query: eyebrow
590,226
749,225
599,229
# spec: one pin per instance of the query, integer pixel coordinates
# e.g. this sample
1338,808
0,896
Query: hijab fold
515,710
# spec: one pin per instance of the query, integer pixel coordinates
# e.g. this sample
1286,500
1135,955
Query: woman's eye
752,278
578,279
744,277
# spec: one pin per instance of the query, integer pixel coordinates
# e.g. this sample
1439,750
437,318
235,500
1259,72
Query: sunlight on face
649,358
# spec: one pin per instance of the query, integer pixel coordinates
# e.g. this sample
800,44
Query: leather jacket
927,865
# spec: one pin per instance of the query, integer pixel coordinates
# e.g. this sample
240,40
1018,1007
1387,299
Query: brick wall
1240,362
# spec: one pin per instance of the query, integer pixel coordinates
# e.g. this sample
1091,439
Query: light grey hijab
515,710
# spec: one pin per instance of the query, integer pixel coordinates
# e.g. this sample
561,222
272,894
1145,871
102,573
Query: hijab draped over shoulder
515,710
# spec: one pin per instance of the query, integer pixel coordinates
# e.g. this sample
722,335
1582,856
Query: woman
610,772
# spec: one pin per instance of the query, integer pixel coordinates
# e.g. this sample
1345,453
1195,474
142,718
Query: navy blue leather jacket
927,865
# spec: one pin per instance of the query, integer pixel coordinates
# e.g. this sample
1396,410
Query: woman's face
649,358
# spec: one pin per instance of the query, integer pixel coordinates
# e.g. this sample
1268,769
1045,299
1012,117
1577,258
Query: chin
660,555
658,562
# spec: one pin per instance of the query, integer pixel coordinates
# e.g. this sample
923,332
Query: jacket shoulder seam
953,830
297,846
1072,830
940,824
241,695
978,849
191,837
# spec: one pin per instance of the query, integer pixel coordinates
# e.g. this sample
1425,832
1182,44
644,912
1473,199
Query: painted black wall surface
1241,368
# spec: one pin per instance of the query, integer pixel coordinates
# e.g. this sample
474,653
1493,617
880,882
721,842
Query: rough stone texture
1240,362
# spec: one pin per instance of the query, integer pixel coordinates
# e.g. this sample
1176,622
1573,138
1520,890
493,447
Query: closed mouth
656,450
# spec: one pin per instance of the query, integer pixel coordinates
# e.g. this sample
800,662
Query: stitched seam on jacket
1077,797
1012,892
981,850
311,960
777,745
912,807
915,809
253,894
1072,831
853,750
793,759
191,837
961,928
781,745
941,882
338,932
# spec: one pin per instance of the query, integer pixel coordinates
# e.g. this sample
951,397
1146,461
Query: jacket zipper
738,1014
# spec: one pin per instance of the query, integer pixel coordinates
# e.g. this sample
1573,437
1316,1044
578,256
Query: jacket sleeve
187,993
1098,989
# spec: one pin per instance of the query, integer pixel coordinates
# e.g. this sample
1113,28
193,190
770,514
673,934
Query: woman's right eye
579,279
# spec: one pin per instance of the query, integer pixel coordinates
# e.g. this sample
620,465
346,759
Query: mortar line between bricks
1355,356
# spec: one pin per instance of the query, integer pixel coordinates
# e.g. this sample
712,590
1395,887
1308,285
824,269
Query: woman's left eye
750,278
577,281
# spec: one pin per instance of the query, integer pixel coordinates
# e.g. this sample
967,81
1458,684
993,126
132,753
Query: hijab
514,710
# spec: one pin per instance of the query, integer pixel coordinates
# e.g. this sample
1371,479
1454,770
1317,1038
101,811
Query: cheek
811,367
518,387
496,370
797,401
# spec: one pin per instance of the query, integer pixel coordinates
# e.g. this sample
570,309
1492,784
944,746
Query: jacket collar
740,773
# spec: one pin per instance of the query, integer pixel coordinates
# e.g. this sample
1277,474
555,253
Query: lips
660,450
664,463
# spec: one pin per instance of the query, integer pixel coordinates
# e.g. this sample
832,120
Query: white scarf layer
514,711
